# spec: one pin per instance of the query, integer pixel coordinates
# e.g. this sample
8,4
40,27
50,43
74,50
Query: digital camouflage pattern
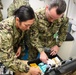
15,5
10,38
45,34
1,16
1,7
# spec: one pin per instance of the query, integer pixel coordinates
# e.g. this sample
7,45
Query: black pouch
37,61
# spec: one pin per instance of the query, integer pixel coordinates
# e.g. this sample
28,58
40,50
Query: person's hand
34,71
43,57
18,52
54,50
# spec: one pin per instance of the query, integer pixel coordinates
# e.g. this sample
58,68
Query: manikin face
51,14
24,25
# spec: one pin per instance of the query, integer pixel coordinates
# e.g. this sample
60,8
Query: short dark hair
24,13
61,4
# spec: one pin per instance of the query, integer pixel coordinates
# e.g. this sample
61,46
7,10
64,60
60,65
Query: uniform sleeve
10,10
15,5
34,38
63,31
7,55
1,5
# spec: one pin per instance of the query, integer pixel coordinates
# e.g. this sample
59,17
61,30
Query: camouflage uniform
10,37
43,34
15,5
1,7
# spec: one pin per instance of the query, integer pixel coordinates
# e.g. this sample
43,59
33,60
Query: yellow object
34,65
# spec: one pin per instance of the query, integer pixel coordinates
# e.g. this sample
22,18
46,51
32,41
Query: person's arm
33,37
15,5
61,36
36,43
7,55
10,10
63,31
